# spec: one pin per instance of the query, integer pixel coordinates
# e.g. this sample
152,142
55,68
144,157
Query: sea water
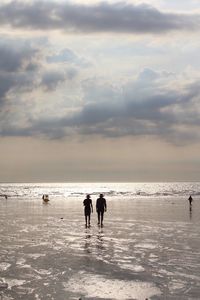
149,246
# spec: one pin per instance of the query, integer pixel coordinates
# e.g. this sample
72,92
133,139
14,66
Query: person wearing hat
101,207
87,210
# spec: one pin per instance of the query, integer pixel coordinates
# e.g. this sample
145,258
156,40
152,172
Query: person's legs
102,212
98,213
87,217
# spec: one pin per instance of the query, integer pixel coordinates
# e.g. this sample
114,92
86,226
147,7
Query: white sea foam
77,190
14,282
94,286
4,266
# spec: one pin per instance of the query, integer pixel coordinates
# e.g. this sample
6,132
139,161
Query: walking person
88,209
190,199
101,207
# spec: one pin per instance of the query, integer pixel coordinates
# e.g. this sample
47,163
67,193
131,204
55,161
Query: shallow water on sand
148,248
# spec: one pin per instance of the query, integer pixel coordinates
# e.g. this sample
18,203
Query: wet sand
148,248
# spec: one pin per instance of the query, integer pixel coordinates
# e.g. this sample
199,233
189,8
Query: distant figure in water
101,207
88,209
190,199
45,198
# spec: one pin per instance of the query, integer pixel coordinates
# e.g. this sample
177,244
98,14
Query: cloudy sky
99,91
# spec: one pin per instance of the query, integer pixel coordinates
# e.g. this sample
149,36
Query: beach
148,248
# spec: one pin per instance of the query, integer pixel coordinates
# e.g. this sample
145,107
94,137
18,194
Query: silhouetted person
88,209
190,200
45,198
100,208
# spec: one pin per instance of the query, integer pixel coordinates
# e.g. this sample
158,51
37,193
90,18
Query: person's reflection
100,241
190,211
87,246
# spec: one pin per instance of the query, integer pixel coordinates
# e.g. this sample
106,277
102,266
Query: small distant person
101,207
45,198
87,210
190,199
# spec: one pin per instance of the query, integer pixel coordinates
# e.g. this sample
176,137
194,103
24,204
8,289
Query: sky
99,90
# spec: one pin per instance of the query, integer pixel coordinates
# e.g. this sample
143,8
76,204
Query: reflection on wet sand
87,245
148,249
190,212
100,240
94,242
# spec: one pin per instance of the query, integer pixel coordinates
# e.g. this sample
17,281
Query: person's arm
96,205
105,205
91,206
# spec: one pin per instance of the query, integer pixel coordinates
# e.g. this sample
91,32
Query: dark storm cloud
23,68
144,107
18,64
158,113
51,79
148,109
171,115
13,58
102,17
6,83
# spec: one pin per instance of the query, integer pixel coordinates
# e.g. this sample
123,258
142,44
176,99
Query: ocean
135,190
149,247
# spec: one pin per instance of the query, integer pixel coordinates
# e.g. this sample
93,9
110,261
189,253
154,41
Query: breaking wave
111,190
